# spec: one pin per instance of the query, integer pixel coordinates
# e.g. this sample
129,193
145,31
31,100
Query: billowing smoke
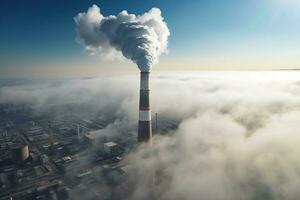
140,38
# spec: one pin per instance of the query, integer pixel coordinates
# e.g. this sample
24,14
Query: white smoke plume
140,38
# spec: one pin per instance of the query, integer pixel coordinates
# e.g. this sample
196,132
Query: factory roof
110,144
18,146
91,135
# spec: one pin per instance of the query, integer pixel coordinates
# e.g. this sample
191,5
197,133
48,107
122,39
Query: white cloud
238,136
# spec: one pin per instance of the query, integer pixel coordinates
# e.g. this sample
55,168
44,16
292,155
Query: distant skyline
38,37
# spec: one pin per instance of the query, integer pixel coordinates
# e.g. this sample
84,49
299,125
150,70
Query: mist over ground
237,137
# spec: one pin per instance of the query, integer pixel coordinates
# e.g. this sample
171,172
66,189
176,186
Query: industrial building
111,149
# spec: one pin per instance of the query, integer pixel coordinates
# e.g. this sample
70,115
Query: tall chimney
145,129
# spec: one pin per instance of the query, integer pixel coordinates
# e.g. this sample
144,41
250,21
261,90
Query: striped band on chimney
144,129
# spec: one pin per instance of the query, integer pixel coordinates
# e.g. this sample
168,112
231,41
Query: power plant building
110,148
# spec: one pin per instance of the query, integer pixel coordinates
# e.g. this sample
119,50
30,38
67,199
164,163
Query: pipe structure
145,128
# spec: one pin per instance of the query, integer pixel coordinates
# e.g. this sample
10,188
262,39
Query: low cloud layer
140,38
237,136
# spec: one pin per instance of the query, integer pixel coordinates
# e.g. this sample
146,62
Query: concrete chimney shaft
145,128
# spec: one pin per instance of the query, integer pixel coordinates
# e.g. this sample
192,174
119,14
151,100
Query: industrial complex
42,159
43,156
48,155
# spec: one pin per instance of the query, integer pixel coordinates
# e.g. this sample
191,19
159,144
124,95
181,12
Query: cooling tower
144,129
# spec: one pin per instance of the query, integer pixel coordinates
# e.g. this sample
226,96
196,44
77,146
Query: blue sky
38,37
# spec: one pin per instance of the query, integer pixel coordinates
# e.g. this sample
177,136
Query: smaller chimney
78,132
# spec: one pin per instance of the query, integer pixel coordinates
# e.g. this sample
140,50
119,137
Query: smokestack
139,38
78,132
144,129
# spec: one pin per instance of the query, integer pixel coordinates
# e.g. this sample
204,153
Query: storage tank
20,153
